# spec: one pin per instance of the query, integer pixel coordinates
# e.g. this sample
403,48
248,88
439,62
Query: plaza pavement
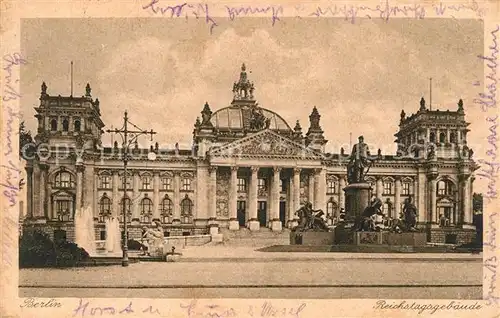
241,272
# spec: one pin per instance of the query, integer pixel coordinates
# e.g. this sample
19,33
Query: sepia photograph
304,159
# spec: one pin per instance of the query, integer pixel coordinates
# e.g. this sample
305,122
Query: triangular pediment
265,144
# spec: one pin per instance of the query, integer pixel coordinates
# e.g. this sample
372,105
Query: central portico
264,176
258,169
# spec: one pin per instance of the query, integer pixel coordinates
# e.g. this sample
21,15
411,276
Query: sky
162,71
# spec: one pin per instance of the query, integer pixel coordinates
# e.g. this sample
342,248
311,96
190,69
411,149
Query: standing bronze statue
358,162
410,215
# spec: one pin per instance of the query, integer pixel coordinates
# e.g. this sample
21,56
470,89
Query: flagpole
430,93
71,78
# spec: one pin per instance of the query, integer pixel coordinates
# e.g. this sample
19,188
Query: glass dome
238,118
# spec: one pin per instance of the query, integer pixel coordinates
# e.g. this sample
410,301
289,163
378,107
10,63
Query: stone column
116,197
212,200
43,190
29,190
466,201
135,197
202,193
296,192
233,200
433,217
275,197
156,196
89,190
320,194
176,201
342,183
312,187
420,194
379,188
253,223
289,201
79,187
397,197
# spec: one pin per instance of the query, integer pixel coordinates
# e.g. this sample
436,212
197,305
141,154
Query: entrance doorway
241,211
283,213
261,213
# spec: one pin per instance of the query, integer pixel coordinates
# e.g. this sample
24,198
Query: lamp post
129,137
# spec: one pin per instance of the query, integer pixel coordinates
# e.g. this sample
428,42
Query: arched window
53,124
65,125
64,180
445,188
146,210
166,208
442,137
104,208
127,203
78,125
432,137
186,209
453,137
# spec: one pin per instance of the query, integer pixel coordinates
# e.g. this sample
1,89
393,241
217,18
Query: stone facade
247,168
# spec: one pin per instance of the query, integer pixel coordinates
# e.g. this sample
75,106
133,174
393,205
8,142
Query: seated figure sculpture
155,239
310,219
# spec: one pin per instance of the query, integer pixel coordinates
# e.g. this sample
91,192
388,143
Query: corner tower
69,121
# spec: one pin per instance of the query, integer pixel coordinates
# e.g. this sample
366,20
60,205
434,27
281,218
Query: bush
36,249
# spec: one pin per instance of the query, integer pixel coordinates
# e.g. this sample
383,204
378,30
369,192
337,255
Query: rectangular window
242,185
186,184
63,209
388,188
261,184
282,185
146,183
406,188
105,182
128,182
331,186
166,184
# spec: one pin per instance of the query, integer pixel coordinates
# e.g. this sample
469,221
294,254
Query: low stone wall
451,236
177,241
192,240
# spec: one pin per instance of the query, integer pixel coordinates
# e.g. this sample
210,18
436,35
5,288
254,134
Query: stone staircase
261,238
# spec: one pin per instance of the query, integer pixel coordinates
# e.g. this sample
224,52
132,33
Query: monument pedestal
387,238
312,238
357,199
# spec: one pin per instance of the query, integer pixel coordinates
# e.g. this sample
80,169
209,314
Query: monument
312,229
357,192
365,222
